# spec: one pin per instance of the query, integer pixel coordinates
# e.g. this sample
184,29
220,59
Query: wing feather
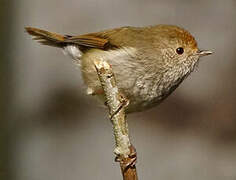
90,41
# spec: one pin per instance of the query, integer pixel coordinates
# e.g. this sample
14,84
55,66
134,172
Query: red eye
180,50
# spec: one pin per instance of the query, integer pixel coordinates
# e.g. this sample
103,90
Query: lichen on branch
116,103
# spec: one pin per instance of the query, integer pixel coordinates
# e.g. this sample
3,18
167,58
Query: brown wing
57,40
90,41
102,40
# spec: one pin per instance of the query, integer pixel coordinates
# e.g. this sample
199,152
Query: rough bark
116,103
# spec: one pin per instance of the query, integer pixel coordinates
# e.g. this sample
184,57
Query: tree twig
116,103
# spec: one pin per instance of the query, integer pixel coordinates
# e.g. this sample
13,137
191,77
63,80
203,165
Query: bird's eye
180,50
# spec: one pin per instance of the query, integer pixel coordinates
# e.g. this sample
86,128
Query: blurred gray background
50,130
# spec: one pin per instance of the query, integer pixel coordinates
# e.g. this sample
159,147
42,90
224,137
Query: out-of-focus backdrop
50,130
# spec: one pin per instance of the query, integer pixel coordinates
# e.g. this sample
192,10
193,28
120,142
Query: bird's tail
47,38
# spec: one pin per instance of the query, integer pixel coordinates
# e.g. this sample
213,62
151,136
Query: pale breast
121,62
142,88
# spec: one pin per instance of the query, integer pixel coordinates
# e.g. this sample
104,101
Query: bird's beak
203,53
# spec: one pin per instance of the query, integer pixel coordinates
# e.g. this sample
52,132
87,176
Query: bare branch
117,103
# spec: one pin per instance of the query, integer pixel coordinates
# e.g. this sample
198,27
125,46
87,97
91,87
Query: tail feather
46,38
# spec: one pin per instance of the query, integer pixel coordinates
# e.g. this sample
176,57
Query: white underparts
72,51
90,91
114,57
122,53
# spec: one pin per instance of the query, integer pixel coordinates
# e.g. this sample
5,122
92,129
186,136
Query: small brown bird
149,63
